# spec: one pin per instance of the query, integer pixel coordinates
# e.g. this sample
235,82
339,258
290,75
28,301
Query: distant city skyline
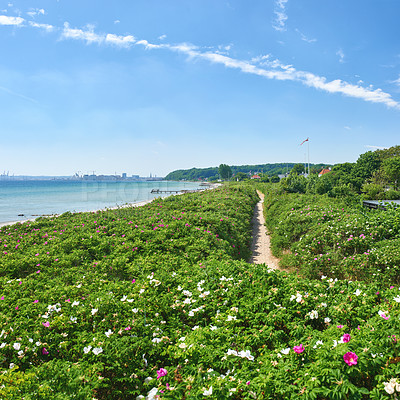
156,86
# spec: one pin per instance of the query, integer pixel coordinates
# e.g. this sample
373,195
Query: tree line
375,175
240,172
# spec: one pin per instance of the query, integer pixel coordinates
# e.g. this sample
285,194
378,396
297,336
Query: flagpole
308,148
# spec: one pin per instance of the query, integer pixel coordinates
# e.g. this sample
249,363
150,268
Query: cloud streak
46,27
376,147
304,38
4,89
90,37
280,15
264,66
274,69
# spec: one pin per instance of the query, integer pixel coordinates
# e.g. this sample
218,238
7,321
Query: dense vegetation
159,302
194,174
375,175
338,238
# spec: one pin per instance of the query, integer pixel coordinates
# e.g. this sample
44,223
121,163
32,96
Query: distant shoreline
133,204
136,204
26,200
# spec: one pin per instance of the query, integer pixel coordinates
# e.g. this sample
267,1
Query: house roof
256,177
324,171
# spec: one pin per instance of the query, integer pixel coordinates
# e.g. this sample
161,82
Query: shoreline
136,204
139,203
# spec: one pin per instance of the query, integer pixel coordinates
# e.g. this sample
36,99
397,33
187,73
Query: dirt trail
261,246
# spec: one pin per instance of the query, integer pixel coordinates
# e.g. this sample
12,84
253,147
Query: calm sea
36,198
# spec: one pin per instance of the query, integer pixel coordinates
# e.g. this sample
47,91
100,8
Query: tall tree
297,169
225,171
391,168
366,165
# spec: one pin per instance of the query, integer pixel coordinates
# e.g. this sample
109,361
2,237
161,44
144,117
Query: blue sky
149,86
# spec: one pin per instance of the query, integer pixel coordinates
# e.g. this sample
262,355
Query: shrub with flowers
121,310
321,236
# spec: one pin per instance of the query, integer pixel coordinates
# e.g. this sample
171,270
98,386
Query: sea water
22,200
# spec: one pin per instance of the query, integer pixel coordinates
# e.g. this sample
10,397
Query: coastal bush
159,302
319,235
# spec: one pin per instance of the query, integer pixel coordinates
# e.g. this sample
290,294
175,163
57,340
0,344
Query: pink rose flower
346,338
161,372
298,349
350,358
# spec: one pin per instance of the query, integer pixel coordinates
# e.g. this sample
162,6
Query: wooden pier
175,191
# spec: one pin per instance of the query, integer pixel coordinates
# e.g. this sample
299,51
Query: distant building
256,177
124,175
324,171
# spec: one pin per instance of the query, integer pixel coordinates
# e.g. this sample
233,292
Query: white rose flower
87,349
208,392
97,350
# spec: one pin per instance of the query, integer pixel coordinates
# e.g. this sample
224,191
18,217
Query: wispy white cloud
46,27
305,38
396,81
121,41
376,147
148,45
263,66
274,69
117,21
4,89
348,128
341,55
35,11
6,20
281,17
90,36
162,37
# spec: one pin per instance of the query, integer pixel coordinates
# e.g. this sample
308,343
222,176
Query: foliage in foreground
113,305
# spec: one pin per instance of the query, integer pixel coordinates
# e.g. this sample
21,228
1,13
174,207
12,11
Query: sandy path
261,246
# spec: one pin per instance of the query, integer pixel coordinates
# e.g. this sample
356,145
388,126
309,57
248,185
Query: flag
304,141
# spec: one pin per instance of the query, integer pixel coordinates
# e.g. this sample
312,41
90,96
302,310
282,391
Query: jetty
175,191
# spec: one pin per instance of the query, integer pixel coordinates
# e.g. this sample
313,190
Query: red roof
324,171
256,177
